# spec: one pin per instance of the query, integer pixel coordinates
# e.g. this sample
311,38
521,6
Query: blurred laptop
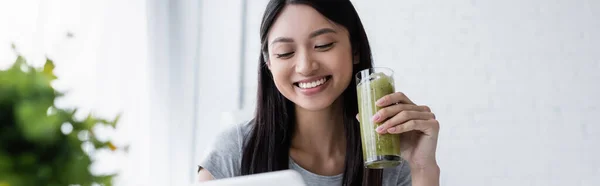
285,177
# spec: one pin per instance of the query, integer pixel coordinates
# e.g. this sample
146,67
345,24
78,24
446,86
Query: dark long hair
267,147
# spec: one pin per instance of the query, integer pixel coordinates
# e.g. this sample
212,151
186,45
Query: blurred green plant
41,144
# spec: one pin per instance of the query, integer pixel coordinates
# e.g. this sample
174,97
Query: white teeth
312,84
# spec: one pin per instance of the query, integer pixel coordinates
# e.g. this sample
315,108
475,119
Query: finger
357,117
403,117
393,110
428,127
397,97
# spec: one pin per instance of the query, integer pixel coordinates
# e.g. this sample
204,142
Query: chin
313,105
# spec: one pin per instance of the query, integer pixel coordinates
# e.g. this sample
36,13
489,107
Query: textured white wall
514,83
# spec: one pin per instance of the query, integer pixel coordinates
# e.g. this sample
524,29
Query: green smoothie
379,150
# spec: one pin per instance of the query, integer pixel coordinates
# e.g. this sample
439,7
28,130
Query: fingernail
379,102
375,117
392,129
379,129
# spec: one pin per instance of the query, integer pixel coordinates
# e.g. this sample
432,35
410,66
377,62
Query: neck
320,133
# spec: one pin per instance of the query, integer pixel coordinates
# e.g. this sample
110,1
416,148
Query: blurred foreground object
41,144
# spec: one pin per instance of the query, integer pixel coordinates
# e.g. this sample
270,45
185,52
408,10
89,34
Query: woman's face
310,57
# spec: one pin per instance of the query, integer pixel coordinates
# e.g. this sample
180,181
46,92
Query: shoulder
399,175
224,156
233,136
230,139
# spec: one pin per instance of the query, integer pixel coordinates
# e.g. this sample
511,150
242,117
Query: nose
305,64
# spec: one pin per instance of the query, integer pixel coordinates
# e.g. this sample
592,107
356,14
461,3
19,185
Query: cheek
346,75
281,78
341,61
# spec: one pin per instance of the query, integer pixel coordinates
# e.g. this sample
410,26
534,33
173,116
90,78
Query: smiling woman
306,107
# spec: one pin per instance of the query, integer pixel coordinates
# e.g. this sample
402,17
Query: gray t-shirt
224,160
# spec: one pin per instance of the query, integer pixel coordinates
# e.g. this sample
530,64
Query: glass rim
372,69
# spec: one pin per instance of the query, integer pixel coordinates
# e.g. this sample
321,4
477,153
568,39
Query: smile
312,84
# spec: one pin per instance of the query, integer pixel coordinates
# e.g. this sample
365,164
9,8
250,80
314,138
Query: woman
314,130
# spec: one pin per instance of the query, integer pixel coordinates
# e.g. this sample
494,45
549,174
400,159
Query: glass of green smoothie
379,150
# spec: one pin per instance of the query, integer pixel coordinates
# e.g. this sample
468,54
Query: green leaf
49,69
18,63
89,122
35,124
104,180
114,122
76,170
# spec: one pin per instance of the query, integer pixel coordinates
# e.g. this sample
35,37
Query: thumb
357,117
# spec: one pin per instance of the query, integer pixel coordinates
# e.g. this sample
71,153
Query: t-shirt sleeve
404,177
224,156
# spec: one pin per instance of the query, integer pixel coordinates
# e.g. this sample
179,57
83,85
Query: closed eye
285,55
325,46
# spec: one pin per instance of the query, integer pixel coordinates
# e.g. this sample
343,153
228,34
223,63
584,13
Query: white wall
513,83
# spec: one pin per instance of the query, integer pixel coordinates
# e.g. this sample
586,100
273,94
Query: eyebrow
321,32
282,39
311,35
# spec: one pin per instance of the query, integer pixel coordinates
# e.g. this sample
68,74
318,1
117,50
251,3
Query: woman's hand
418,131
